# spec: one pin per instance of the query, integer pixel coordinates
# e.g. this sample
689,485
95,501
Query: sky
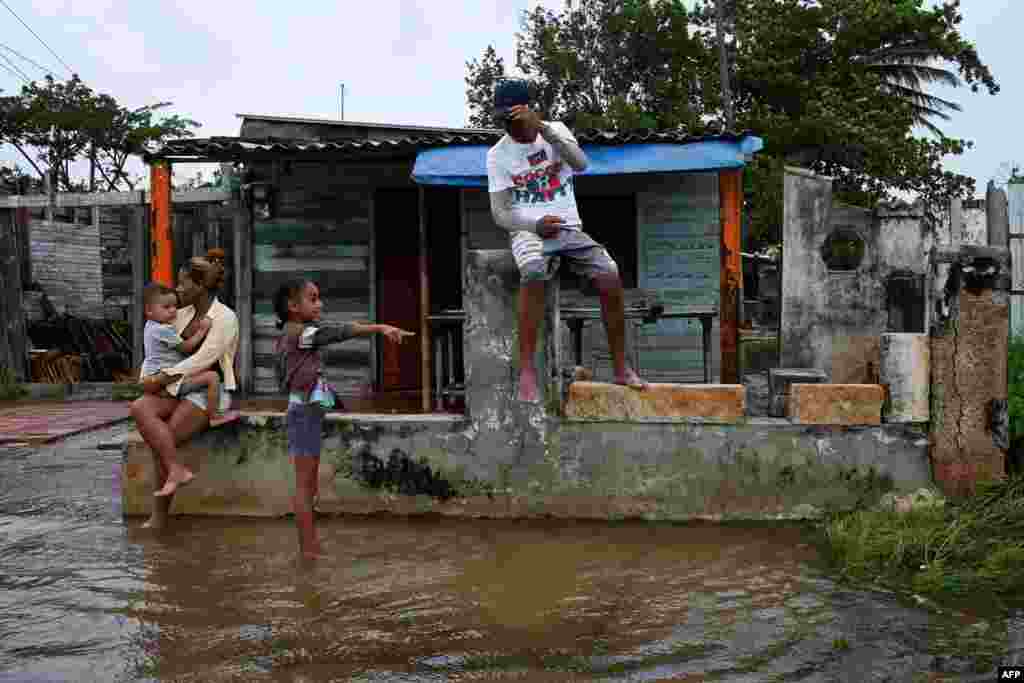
402,61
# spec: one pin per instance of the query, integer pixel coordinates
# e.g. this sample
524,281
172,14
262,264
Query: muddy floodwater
87,596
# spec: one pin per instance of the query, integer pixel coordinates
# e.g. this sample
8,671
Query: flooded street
85,596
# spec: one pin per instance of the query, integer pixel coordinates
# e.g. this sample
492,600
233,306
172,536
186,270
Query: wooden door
396,219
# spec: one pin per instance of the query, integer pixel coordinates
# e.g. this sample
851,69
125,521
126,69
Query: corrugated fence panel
1015,205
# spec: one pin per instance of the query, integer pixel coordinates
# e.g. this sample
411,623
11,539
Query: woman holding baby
164,419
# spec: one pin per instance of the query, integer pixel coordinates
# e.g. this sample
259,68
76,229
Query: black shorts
305,429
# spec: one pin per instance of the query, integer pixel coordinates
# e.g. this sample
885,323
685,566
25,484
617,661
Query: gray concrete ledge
764,469
368,418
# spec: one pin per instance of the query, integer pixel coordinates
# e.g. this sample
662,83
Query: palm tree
905,71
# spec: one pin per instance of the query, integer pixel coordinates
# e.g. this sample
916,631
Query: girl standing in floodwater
298,307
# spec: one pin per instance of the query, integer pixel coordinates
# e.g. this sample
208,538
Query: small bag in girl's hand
323,394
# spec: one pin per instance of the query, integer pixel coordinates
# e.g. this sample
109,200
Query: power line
13,72
34,63
13,67
70,70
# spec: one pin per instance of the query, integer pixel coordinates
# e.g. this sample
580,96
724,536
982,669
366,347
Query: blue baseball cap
510,93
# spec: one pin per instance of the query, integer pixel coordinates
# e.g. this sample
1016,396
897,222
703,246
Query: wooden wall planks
322,231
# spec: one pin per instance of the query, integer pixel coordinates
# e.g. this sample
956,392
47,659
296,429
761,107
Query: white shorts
539,259
198,399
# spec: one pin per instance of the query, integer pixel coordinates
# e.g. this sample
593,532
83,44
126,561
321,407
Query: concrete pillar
905,372
510,435
997,216
969,421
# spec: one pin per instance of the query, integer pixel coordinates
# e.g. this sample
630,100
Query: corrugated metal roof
234,148
361,124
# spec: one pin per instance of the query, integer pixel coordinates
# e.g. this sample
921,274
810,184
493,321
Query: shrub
9,387
1015,378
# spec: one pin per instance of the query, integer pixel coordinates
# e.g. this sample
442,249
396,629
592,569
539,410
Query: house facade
386,219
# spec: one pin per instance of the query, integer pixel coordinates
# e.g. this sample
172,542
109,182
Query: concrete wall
969,369
766,469
832,319
509,432
66,263
968,221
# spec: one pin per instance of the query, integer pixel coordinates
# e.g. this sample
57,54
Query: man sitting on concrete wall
530,177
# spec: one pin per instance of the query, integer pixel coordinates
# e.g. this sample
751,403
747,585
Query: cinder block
836,404
781,379
601,401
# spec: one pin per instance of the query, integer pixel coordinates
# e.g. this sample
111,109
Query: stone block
611,402
781,379
906,373
836,404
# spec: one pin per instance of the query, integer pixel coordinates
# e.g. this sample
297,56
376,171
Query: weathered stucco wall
969,420
831,317
765,469
510,432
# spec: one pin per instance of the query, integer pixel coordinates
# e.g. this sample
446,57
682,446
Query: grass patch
967,551
10,390
970,550
1015,380
573,663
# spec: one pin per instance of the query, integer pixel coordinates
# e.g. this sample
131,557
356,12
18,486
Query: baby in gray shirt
164,347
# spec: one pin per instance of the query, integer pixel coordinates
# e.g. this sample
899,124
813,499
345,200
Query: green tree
58,120
624,64
837,86
482,75
130,132
14,180
52,124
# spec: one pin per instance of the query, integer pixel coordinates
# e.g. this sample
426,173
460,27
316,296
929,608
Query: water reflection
84,597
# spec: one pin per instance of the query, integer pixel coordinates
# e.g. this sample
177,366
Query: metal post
140,273
730,195
424,303
243,250
160,213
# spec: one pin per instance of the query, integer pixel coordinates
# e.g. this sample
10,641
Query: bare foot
314,553
153,523
173,484
631,379
528,387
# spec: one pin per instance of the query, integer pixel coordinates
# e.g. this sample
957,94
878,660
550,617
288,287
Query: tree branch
29,160
111,186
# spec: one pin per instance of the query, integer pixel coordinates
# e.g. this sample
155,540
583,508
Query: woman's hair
204,272
285,293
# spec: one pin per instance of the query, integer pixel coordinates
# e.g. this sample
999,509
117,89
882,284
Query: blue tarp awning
466,166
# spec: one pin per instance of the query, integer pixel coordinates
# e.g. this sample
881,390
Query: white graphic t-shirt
540,180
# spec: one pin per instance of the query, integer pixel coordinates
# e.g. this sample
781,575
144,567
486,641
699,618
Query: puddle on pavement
85,597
